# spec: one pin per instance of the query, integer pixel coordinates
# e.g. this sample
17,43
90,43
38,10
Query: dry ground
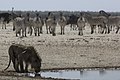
64,51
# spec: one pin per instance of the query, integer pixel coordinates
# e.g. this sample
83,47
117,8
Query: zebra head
103,13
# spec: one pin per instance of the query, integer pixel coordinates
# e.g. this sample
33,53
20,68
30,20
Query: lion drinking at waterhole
22,56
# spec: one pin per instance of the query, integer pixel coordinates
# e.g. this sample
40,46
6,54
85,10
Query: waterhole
84,74
110,74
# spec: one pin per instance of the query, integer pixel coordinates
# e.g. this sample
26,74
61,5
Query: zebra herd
104,22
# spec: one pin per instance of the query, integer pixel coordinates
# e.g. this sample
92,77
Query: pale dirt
64,51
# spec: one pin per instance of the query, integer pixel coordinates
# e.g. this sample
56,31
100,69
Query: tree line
43,14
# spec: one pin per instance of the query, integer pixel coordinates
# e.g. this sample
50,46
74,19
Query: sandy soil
64,51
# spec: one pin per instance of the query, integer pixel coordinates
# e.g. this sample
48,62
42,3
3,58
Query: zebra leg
13,27
108,29
5,26
19,32
2,25
50,30
31,31
95,29
16,33
63,29
99,29
25,32
117,29
35,34
92,29
105,28
28,29
47,29
80,31
38,31
70,26
113,28
102,31
35,31
41,30
54,34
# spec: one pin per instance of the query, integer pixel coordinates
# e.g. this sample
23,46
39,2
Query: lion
20,54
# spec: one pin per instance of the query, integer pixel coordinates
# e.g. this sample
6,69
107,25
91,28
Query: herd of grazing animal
104,22
21,56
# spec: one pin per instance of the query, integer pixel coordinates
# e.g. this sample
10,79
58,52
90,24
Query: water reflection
81,72
102,72
84,75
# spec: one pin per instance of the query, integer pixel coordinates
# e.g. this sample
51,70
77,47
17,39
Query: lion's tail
10,57
8,64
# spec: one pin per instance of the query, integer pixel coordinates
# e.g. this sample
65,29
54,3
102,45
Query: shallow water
84,75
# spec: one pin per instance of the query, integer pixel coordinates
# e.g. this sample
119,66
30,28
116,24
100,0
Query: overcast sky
64,5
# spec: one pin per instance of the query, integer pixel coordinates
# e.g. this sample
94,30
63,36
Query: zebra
5,19
53,27
72,20
95,21
112,21
19,25
81,24
48,22
29,23
3,23
62,22
38,23
51,24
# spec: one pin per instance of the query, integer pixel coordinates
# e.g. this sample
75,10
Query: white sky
64,5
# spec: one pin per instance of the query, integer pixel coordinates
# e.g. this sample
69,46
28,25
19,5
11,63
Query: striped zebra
48,22
62,22
81,24
95,21
72,20
3,23
53,27
5,19
29,23
112,21
51,24
19,26
38,24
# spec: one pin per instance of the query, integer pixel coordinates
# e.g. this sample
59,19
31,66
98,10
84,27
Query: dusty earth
63,51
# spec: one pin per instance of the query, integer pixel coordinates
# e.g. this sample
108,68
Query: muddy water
84,74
